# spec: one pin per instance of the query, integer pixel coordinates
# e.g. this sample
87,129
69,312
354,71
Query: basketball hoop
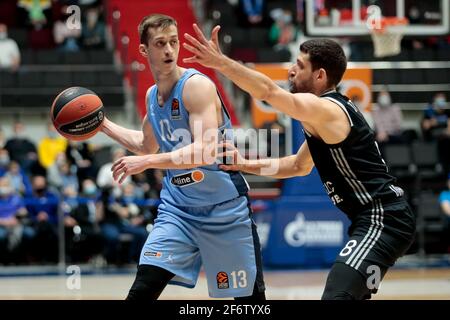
386,39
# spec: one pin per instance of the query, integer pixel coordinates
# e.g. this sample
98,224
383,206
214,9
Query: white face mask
384,101
440,102
3,35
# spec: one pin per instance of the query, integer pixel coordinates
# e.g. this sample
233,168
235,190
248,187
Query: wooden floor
298,285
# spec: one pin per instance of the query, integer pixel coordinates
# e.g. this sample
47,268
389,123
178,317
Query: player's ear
143,50
322,74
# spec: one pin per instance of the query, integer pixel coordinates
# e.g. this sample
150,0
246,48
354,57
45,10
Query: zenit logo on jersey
187,179
175,110
222,280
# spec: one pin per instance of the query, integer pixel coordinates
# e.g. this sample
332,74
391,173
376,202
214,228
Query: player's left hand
128,166
206,52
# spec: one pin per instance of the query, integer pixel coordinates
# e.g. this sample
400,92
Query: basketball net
387,40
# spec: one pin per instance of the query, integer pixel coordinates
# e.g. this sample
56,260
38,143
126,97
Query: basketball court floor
421,283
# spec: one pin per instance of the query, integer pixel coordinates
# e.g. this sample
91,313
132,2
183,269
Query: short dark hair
156,20
326,54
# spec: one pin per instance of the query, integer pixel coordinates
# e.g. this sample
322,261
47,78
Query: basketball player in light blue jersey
205,216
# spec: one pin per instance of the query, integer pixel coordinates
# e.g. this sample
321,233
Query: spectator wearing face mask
93,32
123,216
388,120
50,146
21,148
19,180
81,217
282,32
15,236
43,209
81,155
9,51
435,117
66,37
253,11
61,174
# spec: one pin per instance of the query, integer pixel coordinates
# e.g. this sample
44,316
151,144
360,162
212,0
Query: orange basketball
77,113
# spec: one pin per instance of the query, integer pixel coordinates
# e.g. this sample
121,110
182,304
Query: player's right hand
234,160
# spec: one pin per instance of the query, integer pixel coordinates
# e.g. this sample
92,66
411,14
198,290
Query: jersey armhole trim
342,107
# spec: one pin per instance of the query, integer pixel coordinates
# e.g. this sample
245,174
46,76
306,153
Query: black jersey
353,172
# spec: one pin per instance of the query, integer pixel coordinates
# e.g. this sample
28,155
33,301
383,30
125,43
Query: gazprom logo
301,232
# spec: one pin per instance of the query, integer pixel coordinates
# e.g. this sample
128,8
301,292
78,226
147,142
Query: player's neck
165,82
324,91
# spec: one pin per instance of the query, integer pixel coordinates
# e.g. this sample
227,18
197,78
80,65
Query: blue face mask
90,190
440,102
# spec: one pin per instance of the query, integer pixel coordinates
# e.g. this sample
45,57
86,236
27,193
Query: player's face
163,48
301,75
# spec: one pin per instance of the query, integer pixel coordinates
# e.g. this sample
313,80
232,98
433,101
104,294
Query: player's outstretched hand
235,162
128,166
206,52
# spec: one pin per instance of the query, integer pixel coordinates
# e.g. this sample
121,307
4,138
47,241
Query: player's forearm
255,83
279,168
188,157
132,140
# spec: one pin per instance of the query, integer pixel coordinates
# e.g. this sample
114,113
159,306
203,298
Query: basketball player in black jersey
342,147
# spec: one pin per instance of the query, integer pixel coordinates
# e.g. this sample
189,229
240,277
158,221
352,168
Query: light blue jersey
202,186
204,218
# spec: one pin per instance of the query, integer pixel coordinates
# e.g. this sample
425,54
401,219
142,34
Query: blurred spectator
283,31
43,209
81,216
444,199
37,16
145,185
66,37
15,237
2,138
123,217
36,11
81,155
61,175
444,147
21,149
157,183
388,120
435,117
93,30
274,128
9,51
4,161
50,146
252,11
104,176
19,180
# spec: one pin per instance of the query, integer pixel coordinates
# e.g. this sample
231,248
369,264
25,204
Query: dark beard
292,87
